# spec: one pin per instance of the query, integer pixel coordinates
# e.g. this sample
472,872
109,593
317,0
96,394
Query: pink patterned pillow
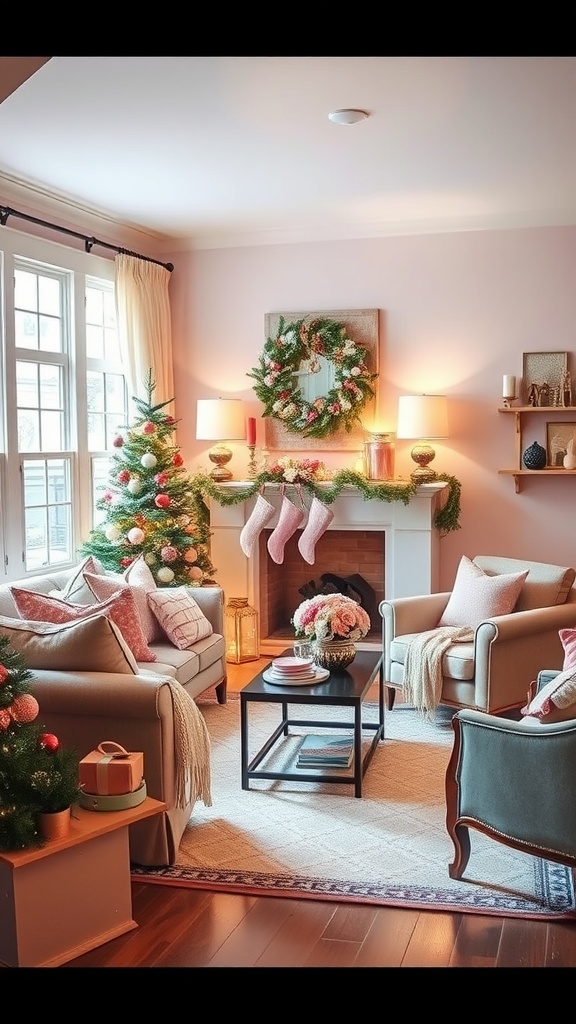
180,617
139,580
121,608
568,638
477,596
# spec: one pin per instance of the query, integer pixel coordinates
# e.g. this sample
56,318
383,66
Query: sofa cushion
90,644
179,616
546,584
139,580
556,700
76,590
121,608
477,596
457,660
568,638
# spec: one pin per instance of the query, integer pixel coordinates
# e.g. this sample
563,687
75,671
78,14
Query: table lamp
422,417
220,419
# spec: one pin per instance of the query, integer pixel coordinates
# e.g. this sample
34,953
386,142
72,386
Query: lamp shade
220,419
422,416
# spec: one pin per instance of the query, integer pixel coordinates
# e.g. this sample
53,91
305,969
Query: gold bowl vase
335,655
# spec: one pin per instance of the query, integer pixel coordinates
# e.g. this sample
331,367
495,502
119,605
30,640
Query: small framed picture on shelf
544,377
558,437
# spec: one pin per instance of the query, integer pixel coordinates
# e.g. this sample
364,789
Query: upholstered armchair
493,671
512,781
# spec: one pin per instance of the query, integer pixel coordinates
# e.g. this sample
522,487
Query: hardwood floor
196,928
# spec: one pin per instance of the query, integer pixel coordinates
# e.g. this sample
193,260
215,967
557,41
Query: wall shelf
518,411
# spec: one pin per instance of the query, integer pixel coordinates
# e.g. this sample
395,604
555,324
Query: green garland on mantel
446,519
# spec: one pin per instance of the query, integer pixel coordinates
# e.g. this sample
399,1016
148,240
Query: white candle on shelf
508,386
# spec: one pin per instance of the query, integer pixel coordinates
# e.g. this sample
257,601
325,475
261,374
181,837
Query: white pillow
477,596
76,591
179,616
556,700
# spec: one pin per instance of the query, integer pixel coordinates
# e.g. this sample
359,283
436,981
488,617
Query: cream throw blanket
422,683
191,747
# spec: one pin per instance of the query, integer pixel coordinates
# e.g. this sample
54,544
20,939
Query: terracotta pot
334,655
54,824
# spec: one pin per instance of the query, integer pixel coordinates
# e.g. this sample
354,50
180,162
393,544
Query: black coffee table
346,689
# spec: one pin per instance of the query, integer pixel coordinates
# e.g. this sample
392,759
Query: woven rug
318,841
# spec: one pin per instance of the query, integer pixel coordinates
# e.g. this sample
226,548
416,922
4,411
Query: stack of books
336,751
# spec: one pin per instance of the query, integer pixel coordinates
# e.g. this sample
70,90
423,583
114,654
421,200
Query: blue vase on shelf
535,456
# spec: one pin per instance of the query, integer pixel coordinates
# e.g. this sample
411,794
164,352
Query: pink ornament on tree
24,708
178,460
118,441
168,553
149,428
162,500
123,476
5,718
135,535
48,741
161,479
3,674
191,555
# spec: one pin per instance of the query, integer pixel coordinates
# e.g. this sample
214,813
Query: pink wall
456,313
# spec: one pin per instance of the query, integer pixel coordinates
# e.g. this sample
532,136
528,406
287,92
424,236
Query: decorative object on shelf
542,376
508,389
534,457
314,375
569,461
54,824
446,518
424,417
241,626
379,456
566,390
220,419
334,655
559,435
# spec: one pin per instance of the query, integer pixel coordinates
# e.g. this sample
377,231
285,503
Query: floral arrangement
299,343
298,471
331,617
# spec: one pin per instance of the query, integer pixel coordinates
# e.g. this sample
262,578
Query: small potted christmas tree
37,776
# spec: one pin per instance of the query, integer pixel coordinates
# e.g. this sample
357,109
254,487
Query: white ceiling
218,151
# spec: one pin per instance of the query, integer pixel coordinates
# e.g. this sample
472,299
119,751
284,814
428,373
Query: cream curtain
144,326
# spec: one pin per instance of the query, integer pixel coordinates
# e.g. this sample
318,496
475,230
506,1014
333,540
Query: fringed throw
191,747
422,685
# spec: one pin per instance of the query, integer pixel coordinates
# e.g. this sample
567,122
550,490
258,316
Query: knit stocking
288,522
260,515
319,520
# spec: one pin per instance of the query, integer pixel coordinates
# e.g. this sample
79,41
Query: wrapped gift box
111,770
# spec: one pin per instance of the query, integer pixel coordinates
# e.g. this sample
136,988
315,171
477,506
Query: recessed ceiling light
347,116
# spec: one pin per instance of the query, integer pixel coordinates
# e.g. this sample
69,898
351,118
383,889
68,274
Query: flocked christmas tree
150,505
36,773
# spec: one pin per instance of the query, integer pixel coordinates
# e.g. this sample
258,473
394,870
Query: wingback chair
512,781
492,673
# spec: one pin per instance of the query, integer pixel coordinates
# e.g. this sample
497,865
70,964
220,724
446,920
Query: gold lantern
241,622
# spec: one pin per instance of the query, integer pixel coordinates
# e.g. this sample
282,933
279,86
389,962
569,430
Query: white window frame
81,269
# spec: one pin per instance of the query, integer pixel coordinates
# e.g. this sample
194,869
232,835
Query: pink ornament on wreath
162,500
168,553
24,708
149,428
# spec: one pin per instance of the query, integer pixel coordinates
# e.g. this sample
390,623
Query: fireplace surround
394,546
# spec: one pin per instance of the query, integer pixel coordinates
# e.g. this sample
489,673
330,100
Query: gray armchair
493,672
512,781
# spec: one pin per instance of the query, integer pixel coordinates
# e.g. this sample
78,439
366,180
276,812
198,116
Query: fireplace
394,546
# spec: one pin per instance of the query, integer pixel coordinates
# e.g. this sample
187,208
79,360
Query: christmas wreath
301,342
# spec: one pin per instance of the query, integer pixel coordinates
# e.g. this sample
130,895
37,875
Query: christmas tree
36,773
150,504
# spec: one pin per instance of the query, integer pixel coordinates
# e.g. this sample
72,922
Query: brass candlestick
252,468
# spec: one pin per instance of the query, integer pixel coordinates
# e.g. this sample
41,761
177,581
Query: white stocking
319,520
261,514
289,520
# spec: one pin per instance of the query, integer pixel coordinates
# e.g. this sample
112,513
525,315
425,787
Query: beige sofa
83,708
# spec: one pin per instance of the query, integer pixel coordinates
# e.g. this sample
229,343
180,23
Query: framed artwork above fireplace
362,326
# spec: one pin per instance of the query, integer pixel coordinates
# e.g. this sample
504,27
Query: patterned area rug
318,841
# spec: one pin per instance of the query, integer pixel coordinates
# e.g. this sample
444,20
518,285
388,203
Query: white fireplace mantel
411,560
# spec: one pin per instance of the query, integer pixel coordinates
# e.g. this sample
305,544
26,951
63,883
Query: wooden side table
71,895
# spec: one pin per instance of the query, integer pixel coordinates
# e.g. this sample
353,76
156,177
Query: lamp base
423,454
221,455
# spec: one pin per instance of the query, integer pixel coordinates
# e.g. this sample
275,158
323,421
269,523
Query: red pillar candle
251,430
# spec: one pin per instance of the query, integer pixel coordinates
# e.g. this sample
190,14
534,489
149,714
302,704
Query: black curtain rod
7,211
